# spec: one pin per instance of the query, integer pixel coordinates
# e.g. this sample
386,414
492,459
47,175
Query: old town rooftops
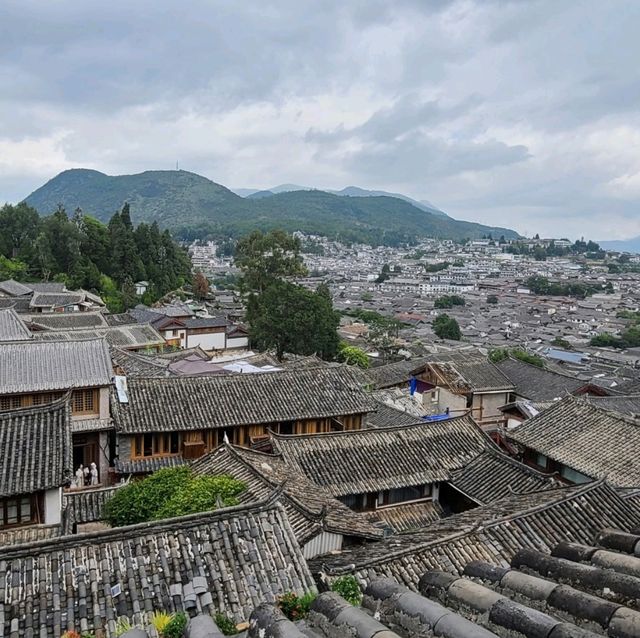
44,366
228,560
492,532
35,446
362,461
195,403
584,437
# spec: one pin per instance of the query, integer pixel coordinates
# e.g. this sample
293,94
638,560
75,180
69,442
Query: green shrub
348,588
176,626
225,624
296,607
168,493
352,355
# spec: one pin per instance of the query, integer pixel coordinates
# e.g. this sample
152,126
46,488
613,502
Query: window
84,402
151,444
21,510
541,460
286,427
573,476
10,403
404,494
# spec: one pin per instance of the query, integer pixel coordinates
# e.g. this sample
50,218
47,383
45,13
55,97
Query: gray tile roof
537,384
403,518
14,288
470,374
68,320
493,475
206,322
139,365
84,506
396,373
493,533
131,336
42,366
310,509
360,461
387,416
12,328
628,405
146,466
195,403
577,590
19,304
36,448
586,438
229,560
28,534
47,286
55,299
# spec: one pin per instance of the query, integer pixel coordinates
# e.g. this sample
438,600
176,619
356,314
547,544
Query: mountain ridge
193,206
347,191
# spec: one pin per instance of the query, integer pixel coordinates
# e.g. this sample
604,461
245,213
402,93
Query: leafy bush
348,588
176,626
296,607
500,354
225,624
492,299
170,492
353,355
201,494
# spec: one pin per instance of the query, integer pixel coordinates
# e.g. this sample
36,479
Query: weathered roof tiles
42,366
194,403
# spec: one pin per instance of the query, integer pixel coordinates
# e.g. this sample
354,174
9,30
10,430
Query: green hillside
192,206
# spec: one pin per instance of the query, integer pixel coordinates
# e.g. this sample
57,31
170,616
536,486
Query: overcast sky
523,114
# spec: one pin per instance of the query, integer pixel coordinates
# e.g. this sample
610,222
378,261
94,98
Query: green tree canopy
19,226
448,301
84,253
447,327
265,258
286,317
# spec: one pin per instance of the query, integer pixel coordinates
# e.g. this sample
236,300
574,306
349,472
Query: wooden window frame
160,445
35,509
85,402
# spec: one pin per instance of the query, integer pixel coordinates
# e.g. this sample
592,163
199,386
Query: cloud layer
520,113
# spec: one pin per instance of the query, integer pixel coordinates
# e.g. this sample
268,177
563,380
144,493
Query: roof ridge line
123,533
479,527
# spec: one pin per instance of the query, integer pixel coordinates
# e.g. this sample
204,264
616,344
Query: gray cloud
518,112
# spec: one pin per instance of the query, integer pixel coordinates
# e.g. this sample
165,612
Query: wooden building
35,462
406,477
36,372
162,421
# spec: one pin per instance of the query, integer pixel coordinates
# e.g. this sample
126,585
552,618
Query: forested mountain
192,206
84,253
349,191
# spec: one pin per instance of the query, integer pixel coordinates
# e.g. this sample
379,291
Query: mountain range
192,206
349,191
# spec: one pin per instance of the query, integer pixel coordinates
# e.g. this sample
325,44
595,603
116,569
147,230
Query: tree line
82,252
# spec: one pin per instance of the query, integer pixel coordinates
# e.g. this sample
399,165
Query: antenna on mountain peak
177,165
